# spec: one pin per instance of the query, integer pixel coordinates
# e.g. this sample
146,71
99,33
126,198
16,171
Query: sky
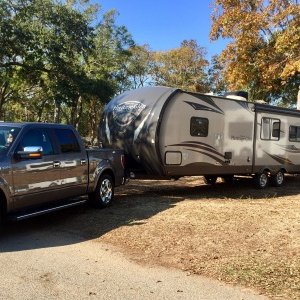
163,24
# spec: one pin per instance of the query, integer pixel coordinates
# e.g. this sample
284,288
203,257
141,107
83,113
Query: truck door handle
82,161
56,164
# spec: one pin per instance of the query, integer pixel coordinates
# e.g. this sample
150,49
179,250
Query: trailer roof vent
238,95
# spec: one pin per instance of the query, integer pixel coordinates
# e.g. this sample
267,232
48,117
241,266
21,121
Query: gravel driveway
44,258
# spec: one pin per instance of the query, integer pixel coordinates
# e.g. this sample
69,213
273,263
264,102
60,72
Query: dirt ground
234,233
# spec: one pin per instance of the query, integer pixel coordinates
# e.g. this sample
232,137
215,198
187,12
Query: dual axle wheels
261,180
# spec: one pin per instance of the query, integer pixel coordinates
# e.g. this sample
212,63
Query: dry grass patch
233,233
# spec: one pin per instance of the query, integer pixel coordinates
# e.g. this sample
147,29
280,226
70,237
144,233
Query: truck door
73,163
35,181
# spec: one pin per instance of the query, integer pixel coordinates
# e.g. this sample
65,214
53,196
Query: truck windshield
7,136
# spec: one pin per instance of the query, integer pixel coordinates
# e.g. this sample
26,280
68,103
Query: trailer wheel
278,178
210,179
261,180
104,193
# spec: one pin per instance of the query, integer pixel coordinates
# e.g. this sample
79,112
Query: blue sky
165,24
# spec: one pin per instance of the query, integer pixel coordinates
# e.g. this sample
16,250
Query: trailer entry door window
270,129
294,135
199,127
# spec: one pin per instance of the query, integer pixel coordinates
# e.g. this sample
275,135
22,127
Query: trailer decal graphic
210,149
198,106
209,155
281,160
138,130
245,105
199,143
207,100
107,131
126,112
291,149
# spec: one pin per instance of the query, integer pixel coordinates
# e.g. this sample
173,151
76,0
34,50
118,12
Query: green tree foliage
55,64
111,52
216,81
183,67
45,44
263,55
139,66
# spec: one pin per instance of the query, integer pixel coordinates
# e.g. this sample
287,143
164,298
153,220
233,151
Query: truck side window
199,126
37,137
294,135
67,141
270,129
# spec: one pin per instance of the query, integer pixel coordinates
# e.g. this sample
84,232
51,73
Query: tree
46,45
111,53
183,67
216,81
139,66
263,55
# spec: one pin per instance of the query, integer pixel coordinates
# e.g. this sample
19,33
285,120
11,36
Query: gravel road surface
41,262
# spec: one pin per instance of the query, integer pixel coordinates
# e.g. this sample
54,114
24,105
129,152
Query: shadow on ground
133,205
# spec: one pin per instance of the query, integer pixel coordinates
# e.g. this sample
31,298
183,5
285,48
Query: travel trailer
169,133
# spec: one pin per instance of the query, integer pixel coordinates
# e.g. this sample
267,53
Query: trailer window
270,129
199,126
294,135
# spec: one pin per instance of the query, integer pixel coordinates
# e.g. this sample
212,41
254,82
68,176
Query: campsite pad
234,233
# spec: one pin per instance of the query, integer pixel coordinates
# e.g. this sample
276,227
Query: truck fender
103,167
5,195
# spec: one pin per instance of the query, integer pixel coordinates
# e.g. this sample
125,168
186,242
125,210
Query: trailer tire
210,179
278,179
104,193
261,180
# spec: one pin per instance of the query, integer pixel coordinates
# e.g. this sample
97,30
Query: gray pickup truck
45,167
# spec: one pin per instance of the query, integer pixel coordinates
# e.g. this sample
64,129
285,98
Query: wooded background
59,63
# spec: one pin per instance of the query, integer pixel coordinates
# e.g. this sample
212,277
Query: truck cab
43,165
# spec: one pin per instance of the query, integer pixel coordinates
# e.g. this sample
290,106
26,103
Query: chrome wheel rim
106,191
263,180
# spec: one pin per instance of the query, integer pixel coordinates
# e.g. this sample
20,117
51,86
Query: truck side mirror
31,152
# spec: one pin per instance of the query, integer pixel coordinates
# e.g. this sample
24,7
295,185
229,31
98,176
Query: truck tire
210,179
278,179
104,193
1,216
261,180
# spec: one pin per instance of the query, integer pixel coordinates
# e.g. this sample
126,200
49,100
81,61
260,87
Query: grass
232,233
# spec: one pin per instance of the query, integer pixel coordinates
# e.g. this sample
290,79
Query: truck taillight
123,161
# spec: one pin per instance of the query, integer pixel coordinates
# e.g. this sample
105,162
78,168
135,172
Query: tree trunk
76,112
3,97
57,111
79,112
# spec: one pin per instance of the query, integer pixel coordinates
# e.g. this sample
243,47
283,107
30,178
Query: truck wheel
210,179
261,180
1,216
104,193
278,178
